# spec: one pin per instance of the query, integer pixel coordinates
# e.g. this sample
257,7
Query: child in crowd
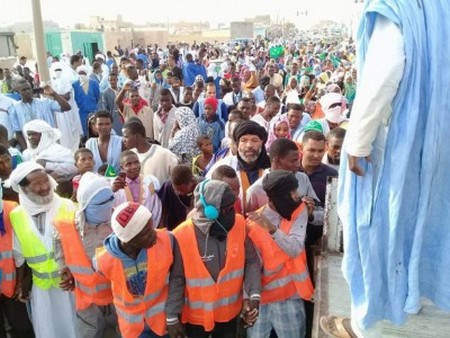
227,174
211,125
188,99
201,163
279,128
84,161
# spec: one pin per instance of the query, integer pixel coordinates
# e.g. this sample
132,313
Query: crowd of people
169,192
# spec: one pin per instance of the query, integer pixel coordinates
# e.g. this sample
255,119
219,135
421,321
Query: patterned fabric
287,318
184,142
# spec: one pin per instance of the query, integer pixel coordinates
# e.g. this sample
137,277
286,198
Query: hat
249,128
313,125
212,101
129,219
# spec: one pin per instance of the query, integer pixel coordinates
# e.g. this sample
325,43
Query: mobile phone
122,175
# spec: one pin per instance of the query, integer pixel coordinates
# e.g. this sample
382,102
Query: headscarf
249,128
275,123
252,128
49,135
184,142
217,194
23,170
93,190
336,114
278,185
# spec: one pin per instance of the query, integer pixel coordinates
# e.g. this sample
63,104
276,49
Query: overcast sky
68,13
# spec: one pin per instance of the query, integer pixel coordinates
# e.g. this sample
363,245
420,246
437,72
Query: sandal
337,327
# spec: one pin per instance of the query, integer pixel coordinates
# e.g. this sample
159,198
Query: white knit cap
128,219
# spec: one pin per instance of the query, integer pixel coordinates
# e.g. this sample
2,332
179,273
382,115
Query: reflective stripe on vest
43,275
278,283
6,255
7,266
139,300
40,258
151,312
202,282
8,276
211,306
208,301
136,312
92,290
80,270
44,268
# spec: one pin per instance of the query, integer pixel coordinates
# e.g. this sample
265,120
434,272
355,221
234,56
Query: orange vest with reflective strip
283,276
90,286
134,311
7,266
208,301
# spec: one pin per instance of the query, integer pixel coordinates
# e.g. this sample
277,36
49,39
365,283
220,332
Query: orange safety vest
7,266
283,276
90,286
134,311
208,301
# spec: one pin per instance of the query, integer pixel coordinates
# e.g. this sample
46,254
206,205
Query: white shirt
377,87
5,103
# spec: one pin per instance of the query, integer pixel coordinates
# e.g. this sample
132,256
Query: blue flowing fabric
396,217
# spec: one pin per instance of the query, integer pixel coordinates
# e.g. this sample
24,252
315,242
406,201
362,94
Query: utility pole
41,51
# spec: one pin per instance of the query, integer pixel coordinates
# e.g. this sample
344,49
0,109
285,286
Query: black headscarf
252,128
278,185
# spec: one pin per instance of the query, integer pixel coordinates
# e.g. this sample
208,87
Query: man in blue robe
393,189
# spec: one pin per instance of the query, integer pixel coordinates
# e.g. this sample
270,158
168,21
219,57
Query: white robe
68,123
52,310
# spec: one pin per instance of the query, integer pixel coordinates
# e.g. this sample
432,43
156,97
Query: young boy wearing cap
136,259
211,125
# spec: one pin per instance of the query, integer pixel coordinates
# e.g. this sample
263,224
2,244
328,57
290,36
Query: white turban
82,68
22,170
17,175
49,135
56,65
335,114
90,184
129,219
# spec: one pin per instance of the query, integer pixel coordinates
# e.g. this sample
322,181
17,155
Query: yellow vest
43,266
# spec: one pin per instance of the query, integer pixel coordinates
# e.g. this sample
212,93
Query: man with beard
76,244
12,309
278,231
213,262
33,223
43,149
137,259
251,158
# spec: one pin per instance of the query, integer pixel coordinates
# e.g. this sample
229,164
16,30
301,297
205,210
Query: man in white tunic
69,123
52,310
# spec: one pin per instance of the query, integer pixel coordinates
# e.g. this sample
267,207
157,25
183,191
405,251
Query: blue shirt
42,109
214,129
135,270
